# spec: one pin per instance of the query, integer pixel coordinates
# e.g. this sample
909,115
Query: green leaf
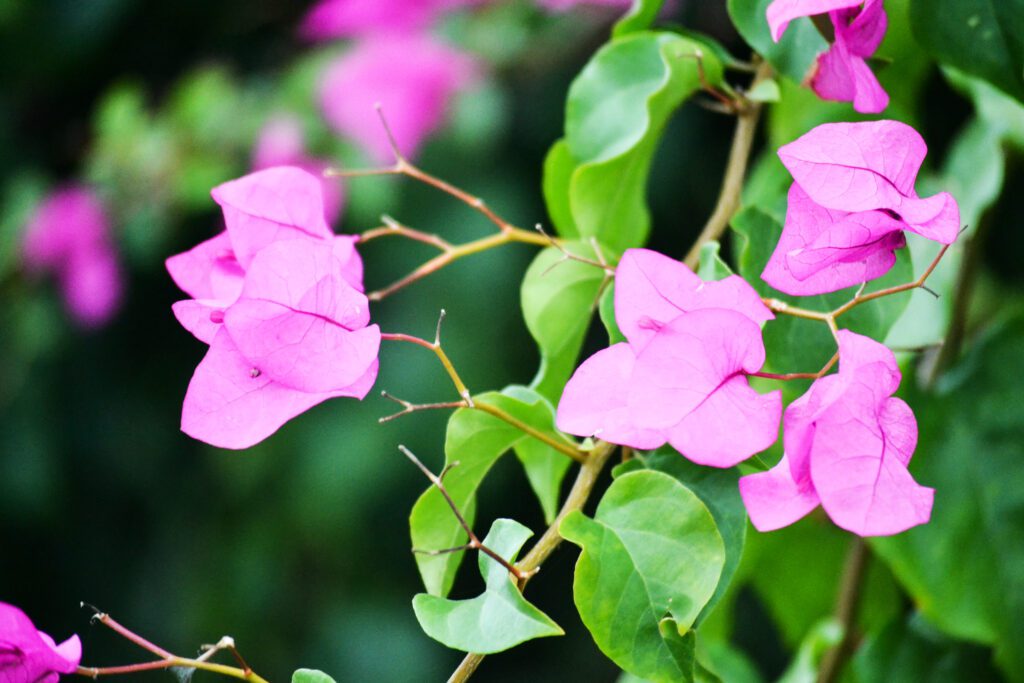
913,650
558,169
497,620
965,569
765,91
985,38
639,17
310,676
615,114
712,267
558,298
719,490
804,668
476,440
795,344
607,311
651,560
794,54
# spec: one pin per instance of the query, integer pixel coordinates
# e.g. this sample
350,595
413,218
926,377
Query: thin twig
801,375
735,170
567,255
409,407
847,607
474,542
582,487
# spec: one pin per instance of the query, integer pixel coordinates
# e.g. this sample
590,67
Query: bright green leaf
712,267
310,676
607,311
497,620
639,17
651,560
476,440
558,169
765,91
559,296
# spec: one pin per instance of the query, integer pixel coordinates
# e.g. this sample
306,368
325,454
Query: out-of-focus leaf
965,569
311,676
712,267
913,650
497,620
794,54
651,560
558,299
985,38
615,114
639,17
476,440
607,311
804,667
765,91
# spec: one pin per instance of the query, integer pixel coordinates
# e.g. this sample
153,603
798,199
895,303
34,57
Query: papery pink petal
781,12
868,363
774,500
91,283
351,262
230,404
863,485
594,401
869,165
281,142
842,77
652,289
413,79
732,424
209,270
299,321
28,655
900,429
69,220
202,317
822,250
861,30
687,360
274,204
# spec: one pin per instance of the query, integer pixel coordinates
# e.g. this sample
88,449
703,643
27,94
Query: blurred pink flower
28,655
68,235
413,78
281,143
847,447
278,297
852,198
347,18
681,375
841,73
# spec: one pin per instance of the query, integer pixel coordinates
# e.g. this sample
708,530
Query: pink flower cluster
851,201
680,377
279,299
69,236
28,655
394,63
841,72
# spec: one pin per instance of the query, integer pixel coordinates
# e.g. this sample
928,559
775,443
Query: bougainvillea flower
848,443
681,375
28,655
69,236
347,18
281,143
413,78
852,199
841,73
288,325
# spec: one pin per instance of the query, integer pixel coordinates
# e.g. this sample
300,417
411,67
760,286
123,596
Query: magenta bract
348,18
413,78
28,655
852,198
69,236
278,297
847,445
681,375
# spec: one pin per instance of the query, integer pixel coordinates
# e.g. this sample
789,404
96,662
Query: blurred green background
299,548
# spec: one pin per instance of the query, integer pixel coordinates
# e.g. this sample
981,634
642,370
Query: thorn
437,332
399,159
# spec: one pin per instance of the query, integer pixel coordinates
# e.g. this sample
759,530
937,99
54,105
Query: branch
847,606
735,170
474,542
800,375
546,544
